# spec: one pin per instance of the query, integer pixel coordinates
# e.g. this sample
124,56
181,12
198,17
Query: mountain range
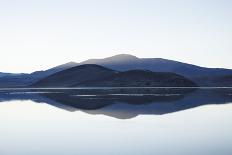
120,70
91,75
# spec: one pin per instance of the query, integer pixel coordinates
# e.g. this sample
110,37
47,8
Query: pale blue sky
40,34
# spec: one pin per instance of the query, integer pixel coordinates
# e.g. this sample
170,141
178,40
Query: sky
39,34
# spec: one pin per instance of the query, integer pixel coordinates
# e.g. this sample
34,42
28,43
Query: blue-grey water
116,122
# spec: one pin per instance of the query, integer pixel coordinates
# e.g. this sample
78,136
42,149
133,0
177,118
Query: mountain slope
8,74
22,80
42,74
124,62
141,78
74,75
201,75
98,76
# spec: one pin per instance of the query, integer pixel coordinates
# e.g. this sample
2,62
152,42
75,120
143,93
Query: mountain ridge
25,79
90,75
203,76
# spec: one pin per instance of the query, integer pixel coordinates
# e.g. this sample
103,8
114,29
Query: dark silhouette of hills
23,80
98,76
74,76
213,77
143,78
6,74
201,75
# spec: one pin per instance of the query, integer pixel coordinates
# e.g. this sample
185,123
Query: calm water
116,122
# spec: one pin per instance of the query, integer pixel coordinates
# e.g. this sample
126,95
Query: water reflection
122,103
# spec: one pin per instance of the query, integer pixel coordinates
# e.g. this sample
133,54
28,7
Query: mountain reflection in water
122,103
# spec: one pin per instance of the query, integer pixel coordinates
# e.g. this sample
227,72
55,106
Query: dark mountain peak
82,69
74,76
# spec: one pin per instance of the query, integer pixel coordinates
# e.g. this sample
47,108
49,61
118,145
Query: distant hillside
42,74
7,74
201,75
223,81
95,75
74,76
23,80
124,62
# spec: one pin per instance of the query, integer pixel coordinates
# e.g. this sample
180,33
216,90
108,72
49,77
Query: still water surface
171,123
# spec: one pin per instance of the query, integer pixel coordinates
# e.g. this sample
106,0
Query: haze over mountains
120,63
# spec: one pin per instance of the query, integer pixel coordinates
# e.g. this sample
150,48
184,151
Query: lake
116,121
